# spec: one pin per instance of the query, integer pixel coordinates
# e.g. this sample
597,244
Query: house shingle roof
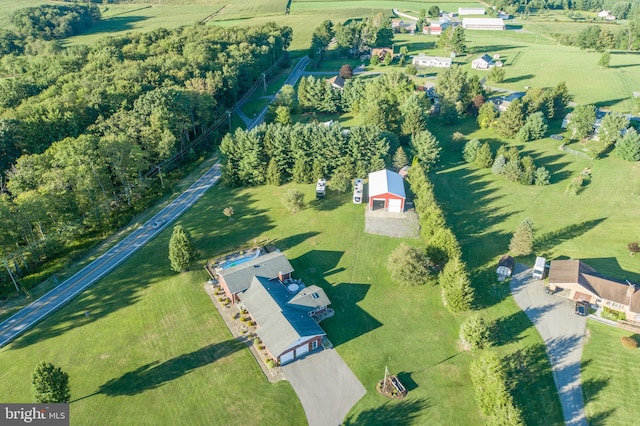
238,278
280,325
578,272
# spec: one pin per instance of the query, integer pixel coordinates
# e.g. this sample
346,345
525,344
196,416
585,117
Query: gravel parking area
397,225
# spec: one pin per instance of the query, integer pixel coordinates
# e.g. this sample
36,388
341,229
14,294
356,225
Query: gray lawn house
284,314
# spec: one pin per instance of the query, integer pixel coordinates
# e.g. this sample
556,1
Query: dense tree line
442,248
50,22
389,101
621,9
301,153
600,38
77,148
353,37
459,94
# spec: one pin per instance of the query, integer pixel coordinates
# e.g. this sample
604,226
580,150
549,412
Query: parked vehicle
320,188
358,186
538,268
582,308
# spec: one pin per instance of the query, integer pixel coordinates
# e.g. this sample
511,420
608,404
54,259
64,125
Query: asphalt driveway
563,333
327,388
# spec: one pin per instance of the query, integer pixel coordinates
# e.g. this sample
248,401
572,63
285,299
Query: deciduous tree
293,200
628,148
582,119
409,266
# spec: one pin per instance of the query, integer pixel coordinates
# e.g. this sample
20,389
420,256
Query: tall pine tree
181,251
521,243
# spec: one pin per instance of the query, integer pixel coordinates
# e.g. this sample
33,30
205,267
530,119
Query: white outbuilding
386,191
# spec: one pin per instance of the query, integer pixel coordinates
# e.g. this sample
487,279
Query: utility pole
11,275
229,115
264,82
160,174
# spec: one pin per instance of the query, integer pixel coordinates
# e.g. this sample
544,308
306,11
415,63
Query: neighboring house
236,279
386,191
485,62
336,82
398,26
606,14
381,52
578,281
471,11
284,315
496,24
422,60
434,28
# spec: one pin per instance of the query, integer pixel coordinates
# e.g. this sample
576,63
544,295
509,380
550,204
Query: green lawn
610,377
150,329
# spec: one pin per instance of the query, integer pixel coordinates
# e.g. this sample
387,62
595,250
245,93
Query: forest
80,126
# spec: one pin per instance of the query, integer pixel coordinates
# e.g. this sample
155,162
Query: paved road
563,333
296,73
327,388
67,290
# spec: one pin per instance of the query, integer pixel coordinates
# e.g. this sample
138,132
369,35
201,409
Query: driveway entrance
327,388
563,334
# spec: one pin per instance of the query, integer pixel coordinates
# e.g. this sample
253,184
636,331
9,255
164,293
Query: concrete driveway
563,333
327,388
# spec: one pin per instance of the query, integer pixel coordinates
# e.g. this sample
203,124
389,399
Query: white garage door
395,206
288,357
302,350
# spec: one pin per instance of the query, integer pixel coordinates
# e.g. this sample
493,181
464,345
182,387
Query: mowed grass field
610,377
153,338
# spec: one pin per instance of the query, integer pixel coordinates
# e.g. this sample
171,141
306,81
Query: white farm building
422,60
496,24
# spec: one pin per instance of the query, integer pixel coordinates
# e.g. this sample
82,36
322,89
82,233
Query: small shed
386,191
505,267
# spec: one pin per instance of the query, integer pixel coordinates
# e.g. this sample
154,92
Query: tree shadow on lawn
115,24
610,102
488,291
98,301
547,242
331,201
155,374
518,78
490,48
530,374
350,320
292,241
401,413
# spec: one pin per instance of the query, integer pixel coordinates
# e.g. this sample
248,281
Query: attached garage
386,191
301,350
285,358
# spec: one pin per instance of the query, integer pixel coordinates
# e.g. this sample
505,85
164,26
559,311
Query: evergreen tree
475,333
489,380
521,243
283,115
534,128
496,74
512,171
582,120
612,127
50,384
181,250
484,157
511,120
400,158
498,165
274,175
605,60
542,177
302,171
528,171
560,98
457,293
470,151
628,148
414,113
426,148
